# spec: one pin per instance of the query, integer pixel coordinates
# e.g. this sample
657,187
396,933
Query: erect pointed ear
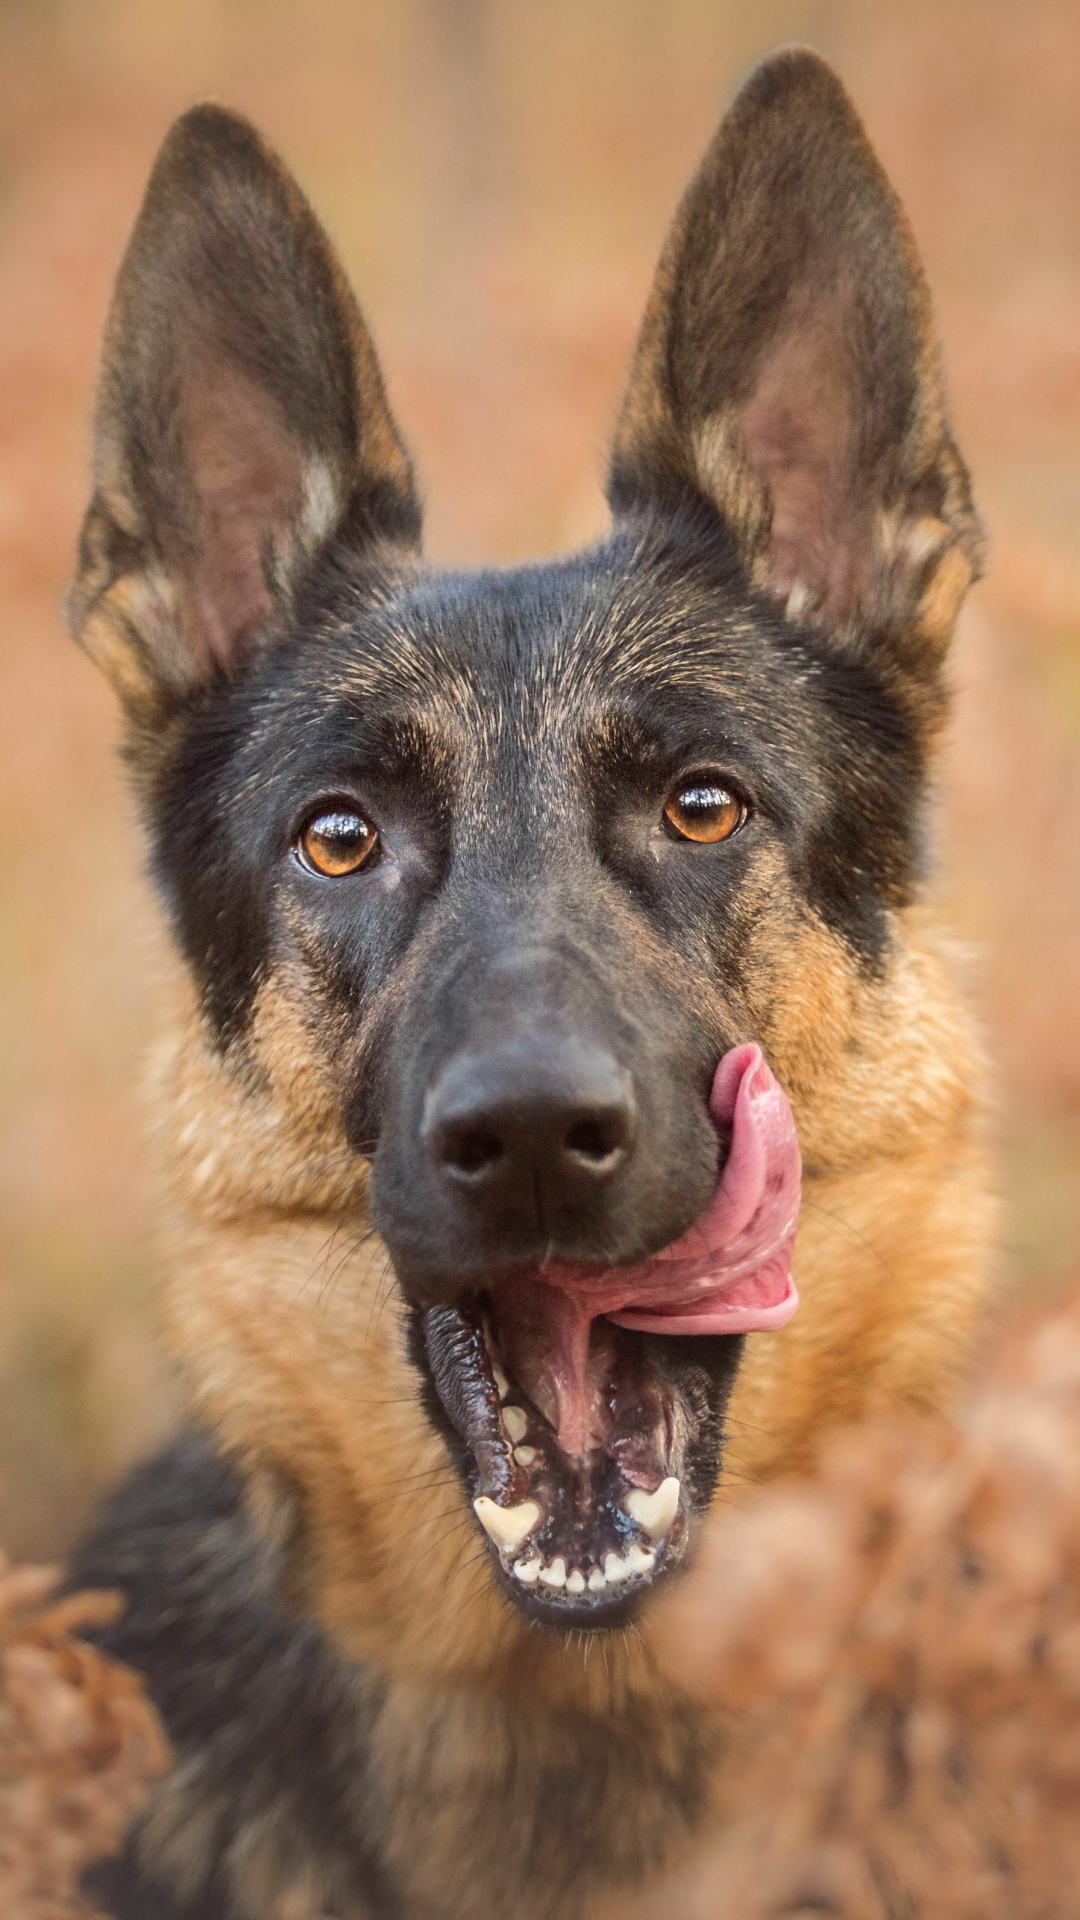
241,422
787,370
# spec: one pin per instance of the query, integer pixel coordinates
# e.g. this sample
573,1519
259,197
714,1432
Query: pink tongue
729,1273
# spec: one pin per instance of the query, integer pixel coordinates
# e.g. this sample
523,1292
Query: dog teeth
654,1512
507,1526
615,1569
635,1560
515,1420
498,1374
797,601
555,1575
531,1569
639,1559
524,1456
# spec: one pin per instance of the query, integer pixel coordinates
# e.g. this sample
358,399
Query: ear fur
787,370
241,421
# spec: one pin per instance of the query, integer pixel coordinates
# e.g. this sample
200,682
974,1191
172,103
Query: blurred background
498,175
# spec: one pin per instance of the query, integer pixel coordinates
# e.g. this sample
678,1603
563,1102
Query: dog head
541,870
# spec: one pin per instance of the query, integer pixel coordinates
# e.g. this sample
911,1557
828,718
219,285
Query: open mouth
587,1442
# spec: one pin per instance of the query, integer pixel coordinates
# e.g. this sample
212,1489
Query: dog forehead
531,654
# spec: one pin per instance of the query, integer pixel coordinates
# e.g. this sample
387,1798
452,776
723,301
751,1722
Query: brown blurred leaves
895,1649
79,1746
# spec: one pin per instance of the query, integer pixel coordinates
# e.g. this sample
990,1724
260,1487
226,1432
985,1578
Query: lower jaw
578,1593
576,1542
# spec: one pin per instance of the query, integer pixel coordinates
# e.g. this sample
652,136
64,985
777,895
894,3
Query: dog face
517,859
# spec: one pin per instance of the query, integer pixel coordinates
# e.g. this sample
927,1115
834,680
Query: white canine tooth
507,1526
615,1569
499,1377
527,1570
575,1582
797,601
555,1575
524,1456
597,1580
654,1512
639,1559
516,1422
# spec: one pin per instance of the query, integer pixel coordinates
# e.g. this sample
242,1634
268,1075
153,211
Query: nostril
589,1140
597,1139
469,1150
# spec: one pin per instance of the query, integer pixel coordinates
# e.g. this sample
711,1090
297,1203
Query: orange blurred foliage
79,1746
892,1648
498,177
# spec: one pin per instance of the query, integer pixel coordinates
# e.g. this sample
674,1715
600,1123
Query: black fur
274,1718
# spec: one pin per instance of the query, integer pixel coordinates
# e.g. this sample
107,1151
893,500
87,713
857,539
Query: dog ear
787,370
241,422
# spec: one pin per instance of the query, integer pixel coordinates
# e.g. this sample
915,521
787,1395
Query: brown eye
704,810
337,842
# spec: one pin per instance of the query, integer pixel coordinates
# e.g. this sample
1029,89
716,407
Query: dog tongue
729,1273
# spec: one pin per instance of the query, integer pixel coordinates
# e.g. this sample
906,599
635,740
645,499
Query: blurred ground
498,176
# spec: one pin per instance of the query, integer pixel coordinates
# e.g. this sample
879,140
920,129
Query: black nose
547,1119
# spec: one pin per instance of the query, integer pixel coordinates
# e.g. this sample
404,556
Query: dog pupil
704,813
339,841
705,799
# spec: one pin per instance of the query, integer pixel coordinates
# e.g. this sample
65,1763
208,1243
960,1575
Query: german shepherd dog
533,923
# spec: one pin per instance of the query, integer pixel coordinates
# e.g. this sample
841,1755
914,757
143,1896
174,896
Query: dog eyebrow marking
413,742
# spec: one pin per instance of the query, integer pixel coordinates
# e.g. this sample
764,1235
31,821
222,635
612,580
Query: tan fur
285,1316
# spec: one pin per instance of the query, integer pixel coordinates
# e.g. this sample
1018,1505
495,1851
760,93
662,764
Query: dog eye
337,842
704,810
